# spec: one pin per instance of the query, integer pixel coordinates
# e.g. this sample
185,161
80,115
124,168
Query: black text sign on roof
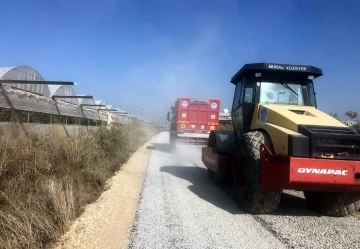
287,67
199,102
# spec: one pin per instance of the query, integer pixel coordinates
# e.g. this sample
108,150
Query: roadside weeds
46,181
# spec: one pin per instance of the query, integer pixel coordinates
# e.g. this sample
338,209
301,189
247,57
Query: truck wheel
333,204
247,179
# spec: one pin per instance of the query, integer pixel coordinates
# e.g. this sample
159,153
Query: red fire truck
192,119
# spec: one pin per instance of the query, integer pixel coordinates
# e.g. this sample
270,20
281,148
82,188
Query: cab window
248,96
311,92
237,96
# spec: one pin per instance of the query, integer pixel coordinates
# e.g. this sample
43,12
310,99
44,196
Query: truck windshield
281,93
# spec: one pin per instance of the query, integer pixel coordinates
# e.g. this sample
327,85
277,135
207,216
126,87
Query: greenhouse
48,102
25,73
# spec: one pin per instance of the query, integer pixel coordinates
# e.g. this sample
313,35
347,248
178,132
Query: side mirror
169,116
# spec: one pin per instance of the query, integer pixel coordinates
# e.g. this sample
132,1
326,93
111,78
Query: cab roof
278,69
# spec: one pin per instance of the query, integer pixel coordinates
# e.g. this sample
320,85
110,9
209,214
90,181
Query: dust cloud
189,72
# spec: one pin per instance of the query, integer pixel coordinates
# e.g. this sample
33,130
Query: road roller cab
280,140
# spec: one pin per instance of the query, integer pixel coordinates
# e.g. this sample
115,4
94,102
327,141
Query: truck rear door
183,113
213,114
198,115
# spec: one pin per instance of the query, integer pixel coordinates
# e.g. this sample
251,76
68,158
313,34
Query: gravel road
180,208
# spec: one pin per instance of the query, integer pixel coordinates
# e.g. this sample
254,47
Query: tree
354,120
334,115
352,115
357,127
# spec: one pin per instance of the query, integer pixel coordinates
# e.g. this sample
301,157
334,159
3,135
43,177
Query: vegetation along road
179,207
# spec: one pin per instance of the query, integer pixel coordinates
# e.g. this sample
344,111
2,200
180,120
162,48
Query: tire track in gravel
228,190
179,208
171,214
299,227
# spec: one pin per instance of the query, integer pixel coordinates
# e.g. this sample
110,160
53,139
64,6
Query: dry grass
45,182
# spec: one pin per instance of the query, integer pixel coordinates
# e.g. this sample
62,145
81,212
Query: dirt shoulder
107,222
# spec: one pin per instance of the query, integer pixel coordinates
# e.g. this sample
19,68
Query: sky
144,54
